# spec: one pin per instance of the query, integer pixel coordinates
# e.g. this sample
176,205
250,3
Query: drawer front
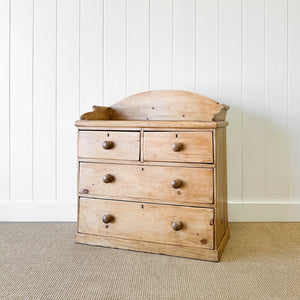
191,186
147,222
178,146
109,145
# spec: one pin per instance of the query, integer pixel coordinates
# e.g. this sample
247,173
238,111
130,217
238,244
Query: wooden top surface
165,105
149,124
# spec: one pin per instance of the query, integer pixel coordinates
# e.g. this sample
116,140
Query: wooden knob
107,145
177,225
177,147
108,178
176,184
107,218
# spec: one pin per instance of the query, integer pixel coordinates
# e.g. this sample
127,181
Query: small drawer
166,224
109,145
191,147
182,186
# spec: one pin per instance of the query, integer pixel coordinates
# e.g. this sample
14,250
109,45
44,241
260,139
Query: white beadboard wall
60,57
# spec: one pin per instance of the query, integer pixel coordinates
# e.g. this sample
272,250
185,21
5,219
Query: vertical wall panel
44,102
67,97
184,24
21,100
253,97
4,99
56,62
293,100
91,54
207,48
115,51
276,100
137,46
230,90
161,52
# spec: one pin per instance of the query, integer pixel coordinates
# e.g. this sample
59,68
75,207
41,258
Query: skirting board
38,212
66,212
264,212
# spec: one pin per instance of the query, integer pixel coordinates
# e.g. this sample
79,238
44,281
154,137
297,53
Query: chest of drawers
152,175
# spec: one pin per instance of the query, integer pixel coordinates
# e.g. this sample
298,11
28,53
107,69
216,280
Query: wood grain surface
151,182
174,250
126,145
147,222
196,146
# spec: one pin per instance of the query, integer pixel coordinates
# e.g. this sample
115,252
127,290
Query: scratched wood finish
174,250
98,113
148,163
163,105
168,105
221,184
162,188
125,145
151,182
160,125
147,222
196,146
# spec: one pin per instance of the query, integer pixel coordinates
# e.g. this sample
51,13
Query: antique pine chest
152,175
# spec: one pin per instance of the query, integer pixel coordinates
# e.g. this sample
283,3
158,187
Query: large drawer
147,222
109,145
177,185
194,147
